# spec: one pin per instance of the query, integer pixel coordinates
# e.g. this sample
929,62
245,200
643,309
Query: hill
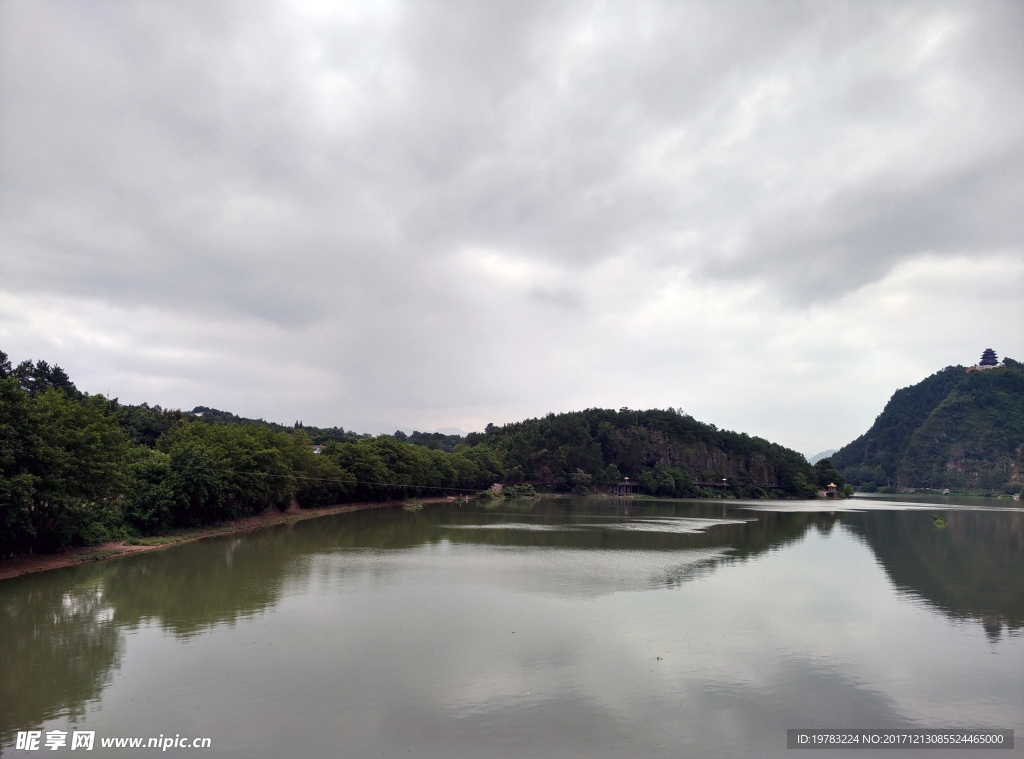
959,429
316,434
666,451
80,469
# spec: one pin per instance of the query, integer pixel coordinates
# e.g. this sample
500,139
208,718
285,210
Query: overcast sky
429,215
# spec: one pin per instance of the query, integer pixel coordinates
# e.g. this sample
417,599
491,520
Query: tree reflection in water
63,631
972,569
58,647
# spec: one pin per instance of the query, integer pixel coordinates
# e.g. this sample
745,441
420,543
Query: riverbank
18,566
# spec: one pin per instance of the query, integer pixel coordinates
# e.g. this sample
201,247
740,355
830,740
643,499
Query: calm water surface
595,628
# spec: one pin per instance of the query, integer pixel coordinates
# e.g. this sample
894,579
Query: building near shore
624,487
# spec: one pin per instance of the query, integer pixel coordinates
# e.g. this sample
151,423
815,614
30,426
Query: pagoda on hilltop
989,360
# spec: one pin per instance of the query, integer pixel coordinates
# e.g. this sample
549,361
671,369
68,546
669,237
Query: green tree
580,482
648,483
40,377
320,481
828,475
612,474
19,465
62,470
229,471
158,500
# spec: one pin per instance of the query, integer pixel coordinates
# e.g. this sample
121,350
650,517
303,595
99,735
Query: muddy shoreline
18,566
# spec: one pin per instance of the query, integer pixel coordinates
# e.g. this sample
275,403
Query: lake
536,628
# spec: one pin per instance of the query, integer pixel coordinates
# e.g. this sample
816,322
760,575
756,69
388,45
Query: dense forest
957,429
667,452
78,469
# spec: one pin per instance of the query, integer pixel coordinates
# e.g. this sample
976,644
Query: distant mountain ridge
821,456
961,428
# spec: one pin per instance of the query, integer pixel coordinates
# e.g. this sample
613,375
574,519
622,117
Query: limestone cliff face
704,463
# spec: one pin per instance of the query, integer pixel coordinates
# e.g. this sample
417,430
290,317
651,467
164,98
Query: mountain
819,456
961,428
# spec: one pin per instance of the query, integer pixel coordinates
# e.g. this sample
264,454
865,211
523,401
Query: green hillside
78,469
957,429
667,452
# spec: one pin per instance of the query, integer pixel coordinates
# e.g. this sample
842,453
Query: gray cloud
415,214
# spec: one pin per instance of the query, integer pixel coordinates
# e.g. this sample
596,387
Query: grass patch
163,540
154,541
96,555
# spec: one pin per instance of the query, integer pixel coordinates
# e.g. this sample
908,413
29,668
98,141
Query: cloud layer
440,214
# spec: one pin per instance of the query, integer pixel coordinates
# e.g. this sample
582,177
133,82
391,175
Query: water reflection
64,632
58,647
973,568
195,586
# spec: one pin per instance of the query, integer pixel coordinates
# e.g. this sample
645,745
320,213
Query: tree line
80,469
666,452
